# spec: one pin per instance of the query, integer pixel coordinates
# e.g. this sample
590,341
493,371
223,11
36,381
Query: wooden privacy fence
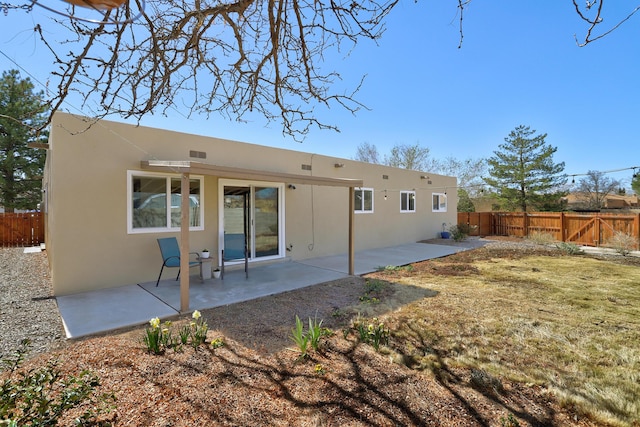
21,229
588,229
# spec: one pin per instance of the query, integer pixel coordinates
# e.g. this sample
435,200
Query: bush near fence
586,229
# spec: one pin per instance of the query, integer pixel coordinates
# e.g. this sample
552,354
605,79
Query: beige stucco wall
86,191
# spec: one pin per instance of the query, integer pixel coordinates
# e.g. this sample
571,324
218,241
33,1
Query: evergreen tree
21,112
523,172
635,182
464,201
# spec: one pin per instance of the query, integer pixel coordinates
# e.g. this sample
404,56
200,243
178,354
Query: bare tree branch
596,20
206,56
238,58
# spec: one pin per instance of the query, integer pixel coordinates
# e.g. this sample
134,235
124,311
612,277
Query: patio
105,310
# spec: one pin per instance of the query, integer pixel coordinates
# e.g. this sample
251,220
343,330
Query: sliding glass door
255,211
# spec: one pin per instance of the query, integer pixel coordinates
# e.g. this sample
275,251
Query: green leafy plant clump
158,337
374,333
569,248
460,231
372,291
311,337
40,397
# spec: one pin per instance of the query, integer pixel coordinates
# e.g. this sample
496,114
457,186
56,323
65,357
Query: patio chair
171,256
235,248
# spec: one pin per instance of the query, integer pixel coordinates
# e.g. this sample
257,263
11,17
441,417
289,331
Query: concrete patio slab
89,313
369,261
262,281
104,310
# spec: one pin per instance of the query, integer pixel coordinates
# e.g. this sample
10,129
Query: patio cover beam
185,168
247,174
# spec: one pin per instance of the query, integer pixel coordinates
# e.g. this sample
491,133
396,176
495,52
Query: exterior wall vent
306,167
385,176
197,154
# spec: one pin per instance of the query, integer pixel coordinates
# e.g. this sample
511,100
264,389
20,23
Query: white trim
362,190
441,207
168,229
409,193
281,215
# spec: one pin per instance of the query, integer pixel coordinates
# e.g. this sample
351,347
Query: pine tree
22,113
635,182
523,172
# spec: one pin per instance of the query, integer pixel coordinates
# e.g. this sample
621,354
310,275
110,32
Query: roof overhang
198,168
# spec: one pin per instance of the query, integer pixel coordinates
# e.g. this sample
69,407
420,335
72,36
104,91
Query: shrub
459,232
39,397
541,238
622,243
569,248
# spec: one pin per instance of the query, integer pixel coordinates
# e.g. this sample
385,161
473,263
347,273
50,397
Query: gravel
27,307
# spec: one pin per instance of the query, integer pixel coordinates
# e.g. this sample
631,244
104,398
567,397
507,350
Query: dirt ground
257,378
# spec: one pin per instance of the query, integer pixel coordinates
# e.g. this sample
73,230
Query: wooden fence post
636,227
563,233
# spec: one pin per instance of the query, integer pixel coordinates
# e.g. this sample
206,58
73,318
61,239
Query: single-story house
112,189
579,200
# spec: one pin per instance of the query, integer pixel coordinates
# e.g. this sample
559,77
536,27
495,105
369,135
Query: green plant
311,337
185,333
199,329
159,337
316,332
300,338
459,232
217,343
509,421
623,243
569,248
39,397
396,268
372,289
374,333
153,338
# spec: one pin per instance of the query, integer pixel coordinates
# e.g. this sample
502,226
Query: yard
521,336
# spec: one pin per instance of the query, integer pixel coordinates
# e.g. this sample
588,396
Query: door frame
281,215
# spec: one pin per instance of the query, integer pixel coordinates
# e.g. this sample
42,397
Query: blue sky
519,65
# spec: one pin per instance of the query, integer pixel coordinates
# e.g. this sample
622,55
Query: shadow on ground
266,323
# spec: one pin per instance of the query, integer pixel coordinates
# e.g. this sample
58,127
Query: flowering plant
158,337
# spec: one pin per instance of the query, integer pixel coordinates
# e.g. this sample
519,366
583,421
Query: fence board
480,223
21,229
593,229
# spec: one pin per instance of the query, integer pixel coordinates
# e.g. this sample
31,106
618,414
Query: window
439,202
363,202
154,202
407,201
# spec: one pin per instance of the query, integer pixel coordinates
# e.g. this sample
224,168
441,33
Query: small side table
205,268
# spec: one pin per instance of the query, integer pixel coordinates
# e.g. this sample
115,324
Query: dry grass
571,324
481,338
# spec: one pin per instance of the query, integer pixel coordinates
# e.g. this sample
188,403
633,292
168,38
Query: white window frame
168,228
409,195
439,206
362,190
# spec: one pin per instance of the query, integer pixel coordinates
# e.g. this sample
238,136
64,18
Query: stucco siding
86,184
